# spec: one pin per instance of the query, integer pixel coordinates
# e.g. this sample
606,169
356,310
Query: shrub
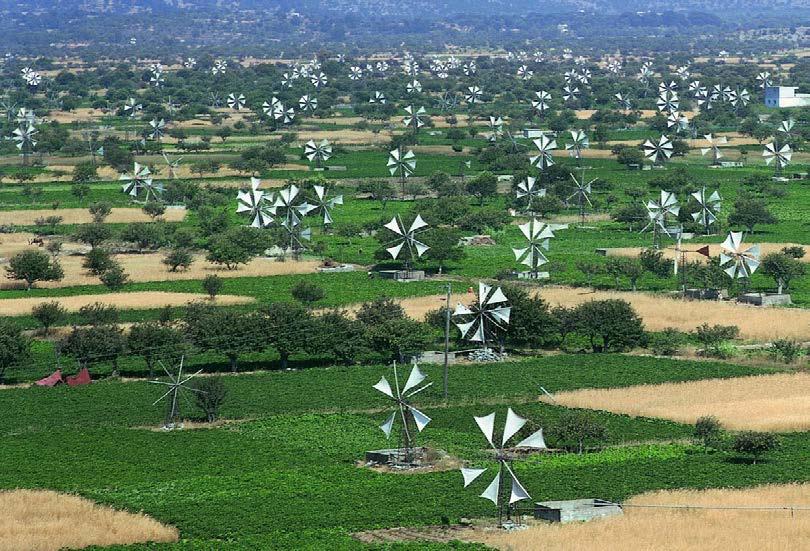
210,395
48,314
307,293
709,431
32,266
787,350
667,342
576,428
754,444
178,258
715,339
114,278
98,314
212,284
97,261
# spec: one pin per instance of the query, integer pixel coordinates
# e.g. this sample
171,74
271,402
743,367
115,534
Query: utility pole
447,340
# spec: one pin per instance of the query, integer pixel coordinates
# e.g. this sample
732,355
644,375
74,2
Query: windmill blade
518,493
470,475
514,423
497,297
492,491
384,387
483,292
389,423
420,418
393,225
394,251
487,425
414,379
462,310
535,440
465,328
418,223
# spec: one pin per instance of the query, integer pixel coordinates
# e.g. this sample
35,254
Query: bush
715,339
787,350
576,428
212,284
210,396
307,293
97,261
178,258
48,314
114,278
667,342
98,314
754,444
709,431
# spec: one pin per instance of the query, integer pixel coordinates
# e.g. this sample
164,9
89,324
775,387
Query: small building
576,510
532,133
785,96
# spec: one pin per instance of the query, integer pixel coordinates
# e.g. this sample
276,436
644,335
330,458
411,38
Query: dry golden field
83,216
714,250
37,520
779,402
678,529
124,301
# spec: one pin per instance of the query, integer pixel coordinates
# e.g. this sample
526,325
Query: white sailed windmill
582,195
738,260
403,164
256,204
495,128
177,384
132,108
714,147
579,141
709,204
26,137
172,164
624,101
473,95
219,67
378,97
291,215
318,153
486,318
319,80
529,190
659,211
570,93
545,146
780,155
414,87
410,416
308,103
764,80
413,117
235,102
537,235
786,128
325,204
505,475
140,179
541,104
407,239
659,151
157,129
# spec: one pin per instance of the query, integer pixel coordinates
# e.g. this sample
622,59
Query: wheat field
37,520
714,250
83,216
679,529
779,402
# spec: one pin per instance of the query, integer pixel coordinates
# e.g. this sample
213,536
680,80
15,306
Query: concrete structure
785,96
575,510
402,275
765,299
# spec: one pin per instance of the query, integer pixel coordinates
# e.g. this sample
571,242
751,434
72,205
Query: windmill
714,147
579,141
764,80
177,384
414,87
410,416
319,80
190,63
483,320
495,128
219,67
355,73
318,152
540,105
473,95
401,163
505,502
709,207
378,97
738,260
658,211
545,146
570,93
530,191
781,155
291,215
140,180
786,129
255,203
524,73
308,103
26,137
407,239
235,102
659,151
325,204
624,102
668,102
413,117
173,165
582,193
739,97
537,235
157,129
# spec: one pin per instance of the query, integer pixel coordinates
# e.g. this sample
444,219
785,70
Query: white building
785,96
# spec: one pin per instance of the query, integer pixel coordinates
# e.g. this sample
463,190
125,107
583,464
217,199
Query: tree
336,333
379,190
307,293
629,156
610,325
754,444
749,211
380,310
97,261
444,245
210,395
709,431
395,338
114,278
154,209
178,258
212,284
223,133
15,347
84,172
783,269
48,314
100,210
714,337
483,186
217,330
653,261
633,215
145,235
531,323
32,266
576,428
99,314
93,345
80,191
154,342
444,186
589,270
286,327
92,234
235,246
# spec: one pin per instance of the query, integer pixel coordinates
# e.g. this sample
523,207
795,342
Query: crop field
269,264
766,403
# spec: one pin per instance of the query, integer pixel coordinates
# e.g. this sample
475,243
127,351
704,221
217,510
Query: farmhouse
785,96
